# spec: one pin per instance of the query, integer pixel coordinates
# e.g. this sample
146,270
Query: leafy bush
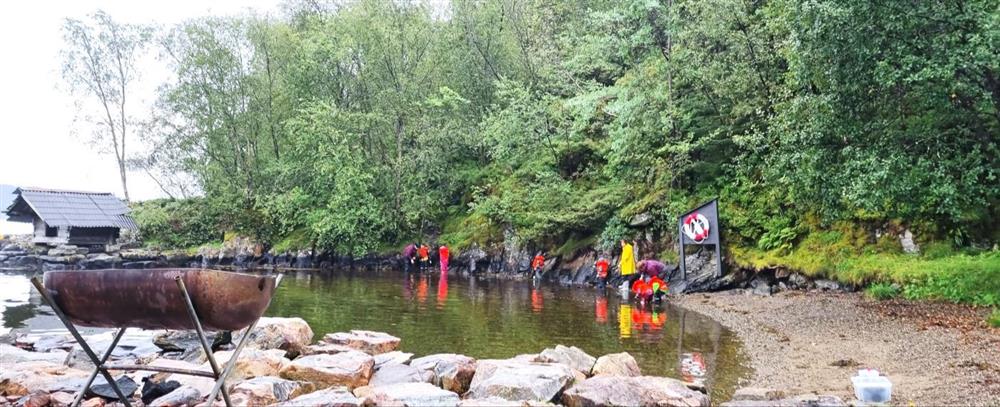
882,291
176,223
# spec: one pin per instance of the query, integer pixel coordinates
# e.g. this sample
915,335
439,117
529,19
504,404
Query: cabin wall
62,235
92,236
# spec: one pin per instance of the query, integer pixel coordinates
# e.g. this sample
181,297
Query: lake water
483,318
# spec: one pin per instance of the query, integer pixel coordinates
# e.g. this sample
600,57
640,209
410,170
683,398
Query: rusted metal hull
151,299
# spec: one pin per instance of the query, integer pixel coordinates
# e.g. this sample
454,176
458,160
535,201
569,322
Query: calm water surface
477,317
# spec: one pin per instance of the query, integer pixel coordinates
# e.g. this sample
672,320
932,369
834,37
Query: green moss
574,244
298,239
994,319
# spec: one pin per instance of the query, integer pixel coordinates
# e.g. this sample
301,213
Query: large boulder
351,369
10,355
264,391
451,371
616,364
392,358
323,348
370,342
19,379
67,250
252,363
606,390
572,356
134,347
517,380
331,397
394,374
408,394
183,396
288,334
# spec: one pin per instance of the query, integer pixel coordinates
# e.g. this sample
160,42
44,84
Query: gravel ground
812,342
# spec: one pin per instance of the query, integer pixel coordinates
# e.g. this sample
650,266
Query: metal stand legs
101,368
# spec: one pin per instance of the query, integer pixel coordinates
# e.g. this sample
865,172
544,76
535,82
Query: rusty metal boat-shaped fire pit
196,299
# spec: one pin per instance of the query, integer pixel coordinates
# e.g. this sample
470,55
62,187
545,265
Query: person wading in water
410,257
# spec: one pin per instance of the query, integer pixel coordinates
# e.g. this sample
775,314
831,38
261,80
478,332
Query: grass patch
298,239
994,319
574,244
882,291
969,278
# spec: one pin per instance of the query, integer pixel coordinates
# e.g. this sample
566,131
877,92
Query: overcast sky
38,146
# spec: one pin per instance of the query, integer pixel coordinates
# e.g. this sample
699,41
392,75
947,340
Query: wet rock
392,358
263,391
409,394
60,399
572,356
827,285
616,364
288,334
183,396
394,374
20,379
98,261
352,369
331,397
809,400
606,390
325,349
252,363
125,384
515,380
36,399
451,371
152,390
12,354
799,281
370,342
642,219
763,290
757,394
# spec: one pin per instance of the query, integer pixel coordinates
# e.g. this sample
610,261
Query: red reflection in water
601,310
442,293
644,319
536,300
422,289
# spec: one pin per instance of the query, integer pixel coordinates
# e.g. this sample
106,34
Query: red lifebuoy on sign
696,227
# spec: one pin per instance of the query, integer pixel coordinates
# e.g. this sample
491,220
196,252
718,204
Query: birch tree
100,61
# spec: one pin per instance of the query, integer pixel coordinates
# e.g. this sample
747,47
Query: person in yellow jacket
627,263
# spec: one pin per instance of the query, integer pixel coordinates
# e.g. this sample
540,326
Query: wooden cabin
70,217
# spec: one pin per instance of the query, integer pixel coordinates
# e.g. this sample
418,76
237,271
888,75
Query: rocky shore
511,262
282,366
813,342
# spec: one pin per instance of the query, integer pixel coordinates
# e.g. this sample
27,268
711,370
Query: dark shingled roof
73,208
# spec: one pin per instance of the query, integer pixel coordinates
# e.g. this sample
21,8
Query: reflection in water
624,323
442,293
483,318
536,300
601,309
422,289
693,368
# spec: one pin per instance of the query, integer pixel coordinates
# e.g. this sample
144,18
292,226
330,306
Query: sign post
701,227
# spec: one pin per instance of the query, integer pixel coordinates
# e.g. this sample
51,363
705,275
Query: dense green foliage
882,291
373,122
177,223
